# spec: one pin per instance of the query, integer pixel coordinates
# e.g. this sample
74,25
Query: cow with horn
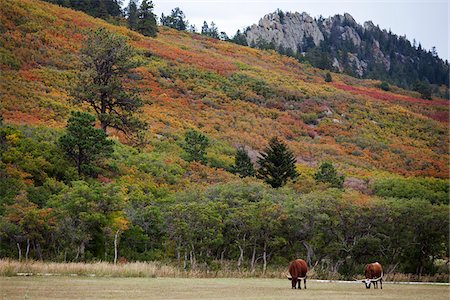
297,273
374,274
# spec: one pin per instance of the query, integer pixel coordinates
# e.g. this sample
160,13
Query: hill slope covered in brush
236,96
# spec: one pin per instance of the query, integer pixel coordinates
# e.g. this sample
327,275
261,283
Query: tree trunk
309,252
185,260
116,237
19,251
222,255
28,250
39,251
82,250
252,264
241,257
265,258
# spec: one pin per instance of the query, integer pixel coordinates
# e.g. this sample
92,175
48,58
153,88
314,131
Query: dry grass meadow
66,287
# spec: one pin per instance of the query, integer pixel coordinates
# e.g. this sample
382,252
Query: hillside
234,94
339,43
151,203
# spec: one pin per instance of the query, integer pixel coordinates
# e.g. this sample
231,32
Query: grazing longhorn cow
297,271
374,273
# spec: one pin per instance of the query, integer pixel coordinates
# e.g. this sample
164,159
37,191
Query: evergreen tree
243,164
327,173
85,144
96,8
239,38
195,144
328,77
211,31
132,13
277,164
176,19
205,28
106,59
146,24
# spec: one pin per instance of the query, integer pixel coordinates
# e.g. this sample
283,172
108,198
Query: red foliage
376,94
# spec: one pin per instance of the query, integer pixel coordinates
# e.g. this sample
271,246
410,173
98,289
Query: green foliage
384,86
277,164
146,23
195,144
310,118
243,164
96,8
328,77
327,173
239,38
434,190
107,59
176,19
132,14
211,30
424,89
85,144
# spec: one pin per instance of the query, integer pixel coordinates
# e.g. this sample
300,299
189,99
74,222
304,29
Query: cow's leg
304,282
381,283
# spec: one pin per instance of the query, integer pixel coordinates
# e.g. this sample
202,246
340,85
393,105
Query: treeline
139,16
246,222
51,211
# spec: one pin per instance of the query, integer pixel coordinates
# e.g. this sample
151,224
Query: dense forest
188,150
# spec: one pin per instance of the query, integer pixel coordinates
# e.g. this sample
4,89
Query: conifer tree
106,59
176,19
195,144
132,12
327,173
85,144
243,164
277,164
146,24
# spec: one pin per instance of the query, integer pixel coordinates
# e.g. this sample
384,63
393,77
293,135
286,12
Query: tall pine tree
132,13
277,164
106,59
146,24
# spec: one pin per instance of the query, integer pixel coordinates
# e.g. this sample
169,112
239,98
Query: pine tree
176,19
327,173
132,13
239,38
243,164
328,77
146,24
106,59
195,144
85,144
277,164
205,28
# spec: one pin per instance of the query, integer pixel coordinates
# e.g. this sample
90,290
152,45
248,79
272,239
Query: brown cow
298,269
374,273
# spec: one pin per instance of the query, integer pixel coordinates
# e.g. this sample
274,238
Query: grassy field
183,288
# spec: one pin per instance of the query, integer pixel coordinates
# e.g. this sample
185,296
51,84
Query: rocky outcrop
290,30
297,32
